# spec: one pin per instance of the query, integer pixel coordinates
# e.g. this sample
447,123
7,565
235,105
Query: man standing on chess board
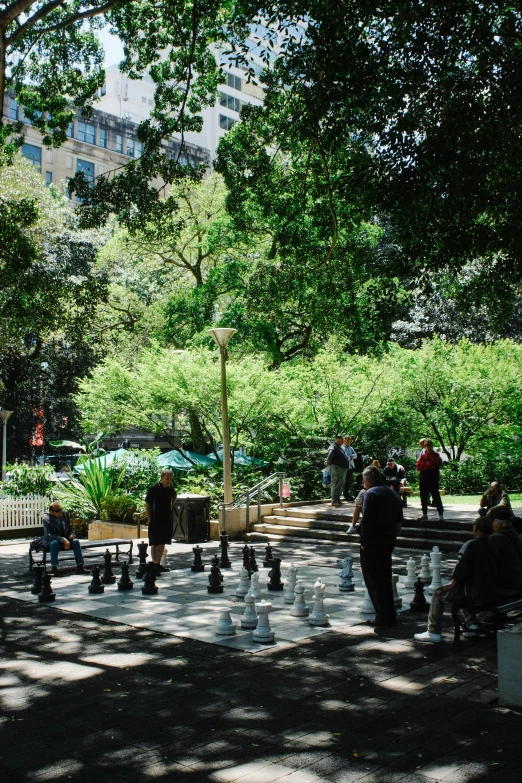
381,522
158,505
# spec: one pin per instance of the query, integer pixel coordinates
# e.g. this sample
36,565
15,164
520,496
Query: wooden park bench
90,549
499,608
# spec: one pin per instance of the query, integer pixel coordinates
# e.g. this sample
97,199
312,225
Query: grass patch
515,497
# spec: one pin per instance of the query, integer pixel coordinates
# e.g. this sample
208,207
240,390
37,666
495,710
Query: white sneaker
428,637
423,518
351,529
470,635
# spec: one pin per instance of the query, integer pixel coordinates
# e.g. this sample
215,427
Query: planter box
101,529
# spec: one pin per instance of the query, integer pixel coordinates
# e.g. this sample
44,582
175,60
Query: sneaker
80,569
423,518
336,505
473,627
351,529
162,569
470,635
54,570
441,519
434,638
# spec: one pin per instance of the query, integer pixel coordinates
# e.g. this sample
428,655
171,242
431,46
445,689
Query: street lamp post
221,338
4,415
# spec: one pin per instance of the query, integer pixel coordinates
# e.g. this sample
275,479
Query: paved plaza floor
140,689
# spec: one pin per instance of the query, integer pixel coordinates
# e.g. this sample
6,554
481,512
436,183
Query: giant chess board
184,608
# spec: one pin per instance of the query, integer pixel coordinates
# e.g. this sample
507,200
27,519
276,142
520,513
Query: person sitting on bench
394,475
495,503
60,535
474,582
508,545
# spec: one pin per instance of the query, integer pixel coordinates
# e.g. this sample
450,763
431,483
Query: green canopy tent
242,459
106,459
175,460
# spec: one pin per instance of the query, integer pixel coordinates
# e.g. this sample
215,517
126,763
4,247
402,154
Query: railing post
259,505
247,513
223,521
281,490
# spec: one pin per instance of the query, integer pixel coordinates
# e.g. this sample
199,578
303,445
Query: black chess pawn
149,580
224,561
267,562
142,554
253,562
246,559
108,577
419,603
125,582
197,566
38,571
46,595
96,587
275,575
215,578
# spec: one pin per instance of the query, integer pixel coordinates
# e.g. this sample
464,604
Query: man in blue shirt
60,535
381,522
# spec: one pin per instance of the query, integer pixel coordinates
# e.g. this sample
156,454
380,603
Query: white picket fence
24,512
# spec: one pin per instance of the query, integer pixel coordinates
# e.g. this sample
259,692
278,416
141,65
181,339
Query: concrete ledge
98,530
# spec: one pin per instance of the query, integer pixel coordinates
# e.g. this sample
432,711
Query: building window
119,143
143,99
34,154
234,81
48,178
226,122
87,169
85,132
70,130
103,137
134,148
229,101
151,102
37,115
13,109
103,90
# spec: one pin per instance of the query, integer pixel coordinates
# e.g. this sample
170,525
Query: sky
113,47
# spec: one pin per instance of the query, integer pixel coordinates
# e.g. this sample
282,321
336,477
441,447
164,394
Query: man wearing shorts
158,505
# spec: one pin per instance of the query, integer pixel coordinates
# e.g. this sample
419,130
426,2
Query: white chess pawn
425,575
435,566
244,584
397,600
367,607
263,632
411,577
254,585
225,626
290,580
318,615
299,608
249,616
165,558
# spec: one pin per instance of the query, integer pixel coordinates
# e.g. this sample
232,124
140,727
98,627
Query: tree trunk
196,434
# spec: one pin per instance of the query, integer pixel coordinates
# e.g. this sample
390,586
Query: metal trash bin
191,515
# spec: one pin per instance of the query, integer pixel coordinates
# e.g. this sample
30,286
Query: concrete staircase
321,522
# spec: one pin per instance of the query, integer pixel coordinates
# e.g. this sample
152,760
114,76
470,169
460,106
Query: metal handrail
246,497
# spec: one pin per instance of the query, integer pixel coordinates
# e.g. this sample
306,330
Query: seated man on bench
474,582
508,545
60,535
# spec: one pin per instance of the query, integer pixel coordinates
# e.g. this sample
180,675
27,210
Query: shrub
141,470
120,507
24,479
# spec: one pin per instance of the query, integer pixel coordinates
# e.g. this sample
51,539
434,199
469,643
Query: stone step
460,534
303,512
433,532
271,532
319,524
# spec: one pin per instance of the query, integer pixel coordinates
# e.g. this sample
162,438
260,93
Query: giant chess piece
419,603
224,561
267,562
290,580
435,566
38,572
149,580
164,562
346,584
244,584
299,608
254,586
246,559
197,565
46,595
142,554
108,577
96,587
411,577
253,561
125,582
249,616
319,616
263,632
275,575
225,626
425,575
397,600
367,607
215,578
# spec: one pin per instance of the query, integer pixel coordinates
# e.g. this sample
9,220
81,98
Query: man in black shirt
158,504
394,475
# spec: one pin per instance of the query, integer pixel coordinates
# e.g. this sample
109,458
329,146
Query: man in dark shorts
158,505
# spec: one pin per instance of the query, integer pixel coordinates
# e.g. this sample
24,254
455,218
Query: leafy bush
475,474
82,496
209,481
24,479
120,507
141,470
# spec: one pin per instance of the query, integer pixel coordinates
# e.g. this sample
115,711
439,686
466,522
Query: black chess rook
197,565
